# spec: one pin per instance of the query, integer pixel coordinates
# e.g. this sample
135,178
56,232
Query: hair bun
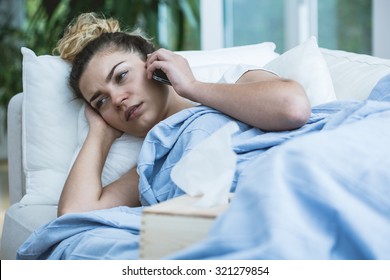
88,26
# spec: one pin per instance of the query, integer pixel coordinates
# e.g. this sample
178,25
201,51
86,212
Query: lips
132,112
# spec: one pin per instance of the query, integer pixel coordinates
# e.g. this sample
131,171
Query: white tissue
208,169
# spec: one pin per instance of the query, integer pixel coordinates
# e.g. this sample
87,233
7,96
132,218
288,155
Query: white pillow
54,123
256,54
354,75
49,131
305,64
210,66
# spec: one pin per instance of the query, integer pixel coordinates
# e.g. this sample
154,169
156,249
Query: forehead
103,62
101,65
109,58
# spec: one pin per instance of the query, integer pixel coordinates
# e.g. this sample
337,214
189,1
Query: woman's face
115,84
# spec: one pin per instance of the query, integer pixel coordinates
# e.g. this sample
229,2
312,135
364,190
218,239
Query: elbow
298,117
62,210
65,207
298,109
67,210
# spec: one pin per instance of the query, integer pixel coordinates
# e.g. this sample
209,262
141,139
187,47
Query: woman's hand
175,67
99,126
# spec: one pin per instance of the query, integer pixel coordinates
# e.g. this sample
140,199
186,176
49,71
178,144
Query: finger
153,56
152,63
160,59
152,68
159,55
158,65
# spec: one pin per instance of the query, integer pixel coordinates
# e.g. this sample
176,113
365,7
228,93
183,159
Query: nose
118,98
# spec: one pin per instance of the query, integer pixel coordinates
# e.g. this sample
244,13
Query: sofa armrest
14,132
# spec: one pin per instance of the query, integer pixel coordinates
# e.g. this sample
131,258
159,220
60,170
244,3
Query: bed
318,192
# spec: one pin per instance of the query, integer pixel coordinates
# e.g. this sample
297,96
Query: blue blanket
318,192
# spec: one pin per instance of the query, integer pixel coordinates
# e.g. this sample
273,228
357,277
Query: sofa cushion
19,222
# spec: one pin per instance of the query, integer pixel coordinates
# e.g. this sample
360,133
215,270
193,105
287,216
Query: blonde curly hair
90,34
87,27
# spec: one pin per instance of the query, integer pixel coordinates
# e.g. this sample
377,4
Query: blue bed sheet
318,192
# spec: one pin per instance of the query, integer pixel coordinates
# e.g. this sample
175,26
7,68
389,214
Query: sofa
35,184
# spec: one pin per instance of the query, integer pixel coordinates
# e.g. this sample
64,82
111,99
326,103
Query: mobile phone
160,76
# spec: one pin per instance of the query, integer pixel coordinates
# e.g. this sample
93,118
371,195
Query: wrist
193,90
100,138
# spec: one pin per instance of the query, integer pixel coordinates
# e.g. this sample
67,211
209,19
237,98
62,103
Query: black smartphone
160,76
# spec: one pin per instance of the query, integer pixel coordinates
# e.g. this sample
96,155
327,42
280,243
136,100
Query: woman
112,71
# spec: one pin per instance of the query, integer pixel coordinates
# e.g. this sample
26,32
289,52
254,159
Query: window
337,24
345,24
249,22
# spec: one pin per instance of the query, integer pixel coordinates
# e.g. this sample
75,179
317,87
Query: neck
177,103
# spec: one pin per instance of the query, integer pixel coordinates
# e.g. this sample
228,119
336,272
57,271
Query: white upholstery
19,222
16,179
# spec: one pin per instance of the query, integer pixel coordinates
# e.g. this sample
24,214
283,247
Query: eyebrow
108,78
96,95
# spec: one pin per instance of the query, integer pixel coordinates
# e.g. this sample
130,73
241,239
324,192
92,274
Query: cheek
111,118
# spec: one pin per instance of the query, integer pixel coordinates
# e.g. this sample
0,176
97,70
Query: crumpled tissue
208,169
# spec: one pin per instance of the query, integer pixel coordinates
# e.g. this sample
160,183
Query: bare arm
83,190
259,98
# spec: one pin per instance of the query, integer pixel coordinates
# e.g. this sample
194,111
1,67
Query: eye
100,102
120,76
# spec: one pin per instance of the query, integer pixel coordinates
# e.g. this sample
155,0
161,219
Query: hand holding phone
161,77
